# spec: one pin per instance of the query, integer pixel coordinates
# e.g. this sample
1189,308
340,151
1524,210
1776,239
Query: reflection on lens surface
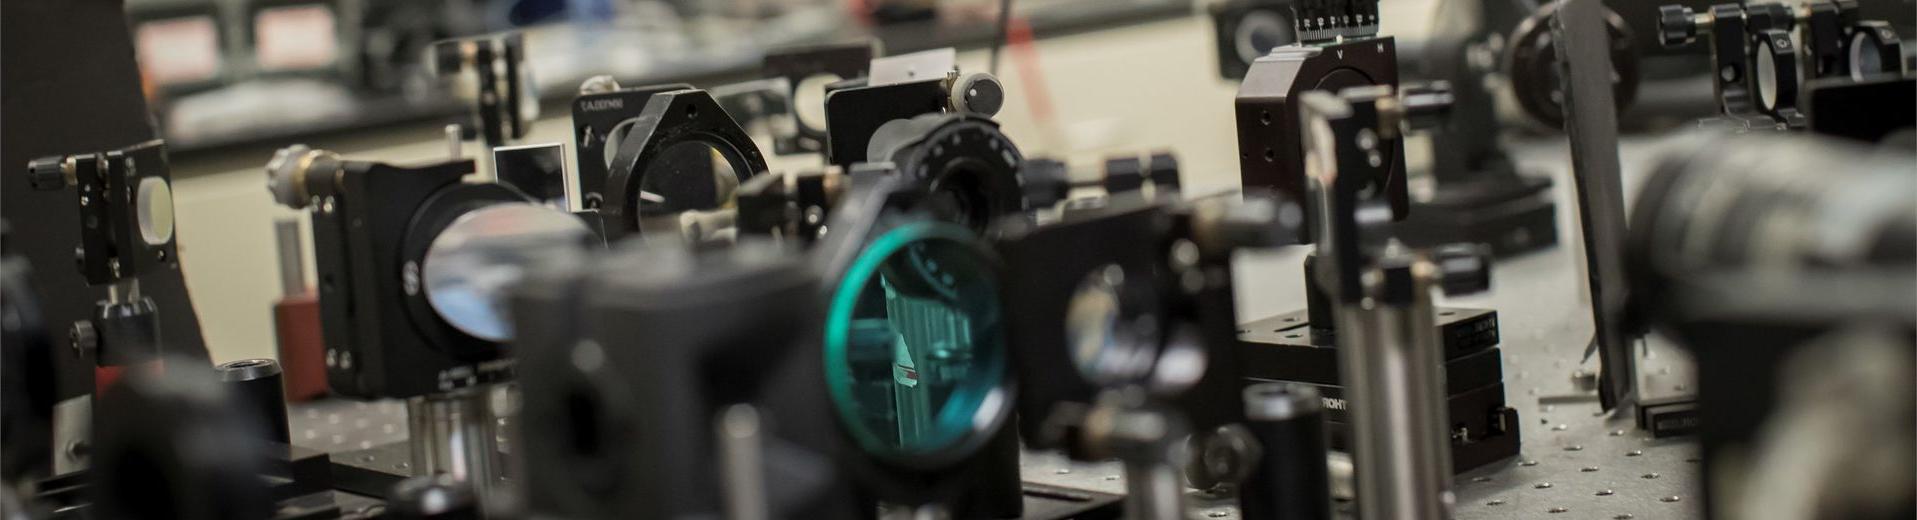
475,260
153,201
1767,77
1101,345
1865,60
686,176
914,354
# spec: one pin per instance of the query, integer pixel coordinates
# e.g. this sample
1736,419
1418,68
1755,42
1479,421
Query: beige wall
1140,88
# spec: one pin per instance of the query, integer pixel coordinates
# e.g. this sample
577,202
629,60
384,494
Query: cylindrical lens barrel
1290,480
256,385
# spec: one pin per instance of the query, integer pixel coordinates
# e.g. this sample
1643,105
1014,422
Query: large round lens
473,262
914,353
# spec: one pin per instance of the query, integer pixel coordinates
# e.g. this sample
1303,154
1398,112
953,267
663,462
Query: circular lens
688,176
473,262
1259,32
1865,59
914,355
808,100
154,200
1105,345
961,197
1767,77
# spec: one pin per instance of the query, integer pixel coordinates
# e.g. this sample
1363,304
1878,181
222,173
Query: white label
295,38
178,50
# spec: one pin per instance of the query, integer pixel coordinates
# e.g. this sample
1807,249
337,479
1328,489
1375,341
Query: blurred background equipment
27,386
218,70
611,348
1476,194
1248,30
1762,66
1802,293
757,259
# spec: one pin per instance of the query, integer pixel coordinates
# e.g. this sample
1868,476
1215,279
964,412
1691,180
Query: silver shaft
742,463
453,433
1393,368
1154,490
286,232
455,145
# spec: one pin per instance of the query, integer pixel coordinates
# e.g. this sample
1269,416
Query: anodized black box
1483,428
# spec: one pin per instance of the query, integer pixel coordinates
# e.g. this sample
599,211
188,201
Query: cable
1004,25
1031,75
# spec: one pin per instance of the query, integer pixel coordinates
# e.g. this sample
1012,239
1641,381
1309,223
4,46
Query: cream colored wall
1146,87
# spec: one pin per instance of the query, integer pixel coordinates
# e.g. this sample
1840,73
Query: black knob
1124,175
129,332
46,173
978,93
283,173
84,338
1760,17
1397,282
1676,25
1463,269
1045,181
1163,170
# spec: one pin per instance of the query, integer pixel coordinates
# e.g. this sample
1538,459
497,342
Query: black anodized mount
1270,147
651,148
383,339
598,120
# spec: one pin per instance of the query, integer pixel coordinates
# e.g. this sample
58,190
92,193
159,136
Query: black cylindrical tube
257,385
1290,480
1000,492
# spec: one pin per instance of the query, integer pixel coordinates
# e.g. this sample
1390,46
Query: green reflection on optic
913,349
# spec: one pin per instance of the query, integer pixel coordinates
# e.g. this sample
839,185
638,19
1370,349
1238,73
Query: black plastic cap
1046,182
1124,175
1164,171
978,93
1675,25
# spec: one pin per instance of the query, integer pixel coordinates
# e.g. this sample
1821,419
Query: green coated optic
914,353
